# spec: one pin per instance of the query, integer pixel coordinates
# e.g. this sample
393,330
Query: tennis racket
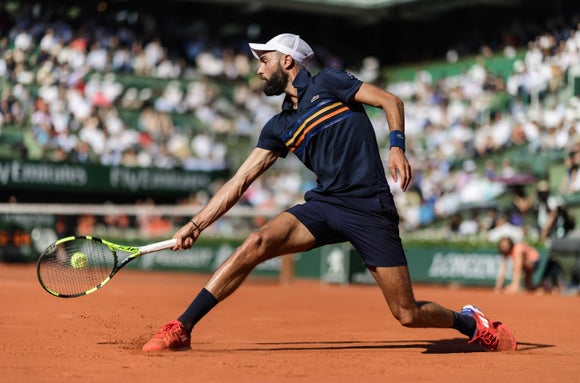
79,265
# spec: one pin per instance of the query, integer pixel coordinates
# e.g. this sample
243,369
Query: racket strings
71,268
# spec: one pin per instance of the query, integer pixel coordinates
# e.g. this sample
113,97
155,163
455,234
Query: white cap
288,44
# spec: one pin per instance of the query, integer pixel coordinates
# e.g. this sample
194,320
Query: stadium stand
81,87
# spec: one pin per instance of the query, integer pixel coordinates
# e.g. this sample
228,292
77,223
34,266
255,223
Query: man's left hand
399,167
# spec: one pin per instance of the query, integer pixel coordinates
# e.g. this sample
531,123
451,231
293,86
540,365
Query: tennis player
323,122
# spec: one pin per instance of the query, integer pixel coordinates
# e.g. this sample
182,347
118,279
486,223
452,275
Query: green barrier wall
201,258
437,264
440,264
206,256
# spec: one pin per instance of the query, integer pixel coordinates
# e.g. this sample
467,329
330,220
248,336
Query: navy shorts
371,225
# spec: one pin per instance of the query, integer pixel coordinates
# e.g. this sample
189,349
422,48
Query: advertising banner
74,178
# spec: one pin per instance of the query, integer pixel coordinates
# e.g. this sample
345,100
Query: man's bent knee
406,318
253,251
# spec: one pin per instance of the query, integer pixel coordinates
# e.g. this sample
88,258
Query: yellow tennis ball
78,260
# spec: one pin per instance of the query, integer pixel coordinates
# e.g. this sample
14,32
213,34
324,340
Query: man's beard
277,83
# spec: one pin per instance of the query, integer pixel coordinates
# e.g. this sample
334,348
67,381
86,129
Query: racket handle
163,245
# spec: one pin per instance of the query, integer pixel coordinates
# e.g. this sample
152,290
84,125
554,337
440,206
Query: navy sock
465,324
200,306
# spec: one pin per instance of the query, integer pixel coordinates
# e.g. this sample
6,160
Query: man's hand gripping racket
79,265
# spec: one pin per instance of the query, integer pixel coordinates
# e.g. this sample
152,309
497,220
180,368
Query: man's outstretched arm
227,196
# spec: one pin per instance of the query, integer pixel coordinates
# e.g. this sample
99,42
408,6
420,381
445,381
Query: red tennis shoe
493,336
172,337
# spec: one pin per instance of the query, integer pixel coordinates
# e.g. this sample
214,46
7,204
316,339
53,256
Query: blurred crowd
66,83
456,119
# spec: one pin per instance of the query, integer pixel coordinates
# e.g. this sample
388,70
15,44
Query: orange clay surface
305,331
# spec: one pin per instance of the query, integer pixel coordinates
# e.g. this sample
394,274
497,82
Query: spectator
504,228
470,226
559,222
573,169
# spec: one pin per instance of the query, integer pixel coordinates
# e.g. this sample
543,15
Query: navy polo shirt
330,134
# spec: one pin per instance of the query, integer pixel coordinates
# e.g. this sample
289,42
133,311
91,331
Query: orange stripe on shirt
305,131
307,121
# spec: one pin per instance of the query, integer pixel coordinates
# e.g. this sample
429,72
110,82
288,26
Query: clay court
305,331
